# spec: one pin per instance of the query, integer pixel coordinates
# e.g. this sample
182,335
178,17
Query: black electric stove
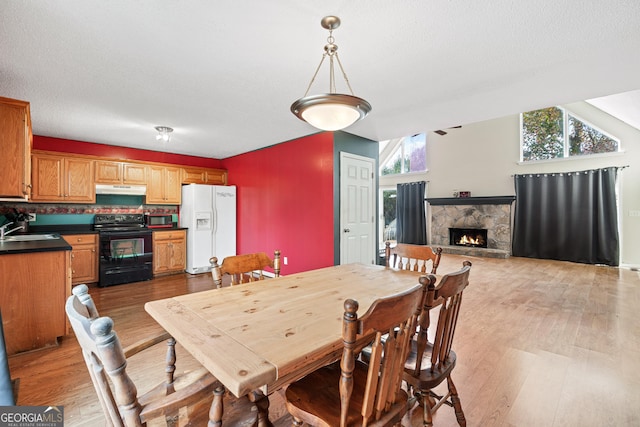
126,249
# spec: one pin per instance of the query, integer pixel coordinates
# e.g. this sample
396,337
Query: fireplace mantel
488,200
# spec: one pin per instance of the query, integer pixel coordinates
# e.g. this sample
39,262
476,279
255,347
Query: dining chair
431,363
244,268
354,393
412,257
197,391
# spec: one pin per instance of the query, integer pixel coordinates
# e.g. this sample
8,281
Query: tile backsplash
52,213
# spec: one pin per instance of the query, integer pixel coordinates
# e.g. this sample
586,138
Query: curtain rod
553,173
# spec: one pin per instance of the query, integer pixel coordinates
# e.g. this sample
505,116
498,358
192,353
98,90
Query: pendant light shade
330,111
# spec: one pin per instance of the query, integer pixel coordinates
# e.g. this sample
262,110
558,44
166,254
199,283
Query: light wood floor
539,343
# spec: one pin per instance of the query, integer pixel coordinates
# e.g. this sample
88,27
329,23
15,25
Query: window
403,155
553,133
398,157
388,197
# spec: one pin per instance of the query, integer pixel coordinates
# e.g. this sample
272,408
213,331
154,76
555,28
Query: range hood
128,190
14,199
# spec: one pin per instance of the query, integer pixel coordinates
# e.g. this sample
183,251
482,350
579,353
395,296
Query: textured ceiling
223,74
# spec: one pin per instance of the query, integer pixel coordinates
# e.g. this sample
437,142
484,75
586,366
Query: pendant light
330,111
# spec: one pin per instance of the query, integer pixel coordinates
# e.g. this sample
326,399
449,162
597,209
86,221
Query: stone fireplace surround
492,213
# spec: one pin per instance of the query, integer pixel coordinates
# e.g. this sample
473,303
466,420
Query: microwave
159,220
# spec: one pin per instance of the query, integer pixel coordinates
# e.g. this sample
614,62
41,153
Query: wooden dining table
257,337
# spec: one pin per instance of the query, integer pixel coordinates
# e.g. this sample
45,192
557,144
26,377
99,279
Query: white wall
483,157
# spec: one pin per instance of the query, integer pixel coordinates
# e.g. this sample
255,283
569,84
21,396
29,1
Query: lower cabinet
169,251
84,257
33,290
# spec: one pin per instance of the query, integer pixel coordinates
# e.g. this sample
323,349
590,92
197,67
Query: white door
357,209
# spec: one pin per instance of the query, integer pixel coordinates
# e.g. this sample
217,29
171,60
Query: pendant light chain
330,50
344,75
315,74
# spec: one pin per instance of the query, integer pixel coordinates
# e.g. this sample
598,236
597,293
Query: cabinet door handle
346,230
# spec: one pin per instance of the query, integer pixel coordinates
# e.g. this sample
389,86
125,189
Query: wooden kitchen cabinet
113,172
164,185
169,251
193,175
84,257
33,290
15,143
62,179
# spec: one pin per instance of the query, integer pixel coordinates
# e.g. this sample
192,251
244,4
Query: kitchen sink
30,237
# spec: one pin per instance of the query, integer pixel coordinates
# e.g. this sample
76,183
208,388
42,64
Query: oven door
125,256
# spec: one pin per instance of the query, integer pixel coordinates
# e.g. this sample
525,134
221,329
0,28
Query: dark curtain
411,221
567,216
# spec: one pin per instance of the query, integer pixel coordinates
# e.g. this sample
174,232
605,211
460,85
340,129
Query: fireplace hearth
470,237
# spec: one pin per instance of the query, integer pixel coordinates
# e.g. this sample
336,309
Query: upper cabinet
62,179
164,185
15,146
72,178
194,175
113,172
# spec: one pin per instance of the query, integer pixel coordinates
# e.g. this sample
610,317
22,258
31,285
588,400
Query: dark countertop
63,229
9,247
80,229
59,244
169,229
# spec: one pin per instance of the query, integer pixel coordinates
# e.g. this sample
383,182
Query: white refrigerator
209,214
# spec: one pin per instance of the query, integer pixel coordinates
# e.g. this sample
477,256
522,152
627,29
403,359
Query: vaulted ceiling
223,74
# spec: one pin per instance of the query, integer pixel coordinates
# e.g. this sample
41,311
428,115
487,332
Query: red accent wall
125,153
285,201
285,193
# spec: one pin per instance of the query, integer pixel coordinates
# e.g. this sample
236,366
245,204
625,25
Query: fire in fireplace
475,237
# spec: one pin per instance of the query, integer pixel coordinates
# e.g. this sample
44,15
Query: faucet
4,232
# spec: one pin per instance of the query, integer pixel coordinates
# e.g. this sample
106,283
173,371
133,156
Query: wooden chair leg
171,365
262,403
171,418
427,417
215,413
455,400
